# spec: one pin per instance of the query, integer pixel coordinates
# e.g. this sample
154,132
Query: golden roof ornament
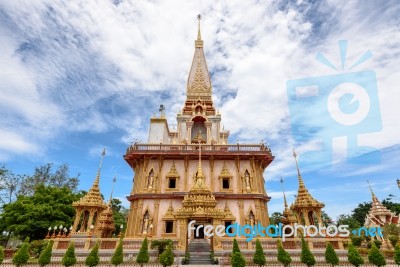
173,173
225,173
288,214
304,198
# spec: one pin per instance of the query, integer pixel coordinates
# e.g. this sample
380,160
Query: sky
77,76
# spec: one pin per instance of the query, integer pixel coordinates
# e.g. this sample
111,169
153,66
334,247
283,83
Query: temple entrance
199,231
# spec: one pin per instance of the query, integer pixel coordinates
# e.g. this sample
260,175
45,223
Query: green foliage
186,259
393,239
330,255
143,256
167,257
1,254
348,220
259,257
306,256
356,240
212,257
283,256
32,215
120,214
118,256
36,247
45,256
391,229
235,247
238,260
397,254
161,245
22,256
393,206
361,212
275,218
93,258
69,258
376,242
376,257
353,256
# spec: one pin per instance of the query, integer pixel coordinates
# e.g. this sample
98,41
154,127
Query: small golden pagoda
379,215
89,210
106,221
306,208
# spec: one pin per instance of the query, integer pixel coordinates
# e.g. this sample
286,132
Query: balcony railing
195,147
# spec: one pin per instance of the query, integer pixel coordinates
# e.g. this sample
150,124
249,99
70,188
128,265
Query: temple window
228,223
172,183
225,183
169,227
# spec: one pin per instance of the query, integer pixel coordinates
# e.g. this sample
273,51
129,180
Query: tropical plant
259,257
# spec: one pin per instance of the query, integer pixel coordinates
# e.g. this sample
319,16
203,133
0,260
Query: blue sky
77,76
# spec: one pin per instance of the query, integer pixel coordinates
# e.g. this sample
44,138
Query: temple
193,173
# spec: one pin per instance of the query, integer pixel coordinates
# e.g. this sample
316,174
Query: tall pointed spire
199,82
301,182
199,169
112,189
374,198
284,196
97,180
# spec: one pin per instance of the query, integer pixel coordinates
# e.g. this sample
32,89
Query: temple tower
192,173
307,209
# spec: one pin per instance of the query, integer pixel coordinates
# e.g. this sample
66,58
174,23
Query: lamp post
65,231
91,230
70,230
54,232
60,232
48,233
121,229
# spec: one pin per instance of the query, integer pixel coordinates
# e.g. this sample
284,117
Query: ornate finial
374,198
284,196
96,181
198,42
301,183
112,190
199,169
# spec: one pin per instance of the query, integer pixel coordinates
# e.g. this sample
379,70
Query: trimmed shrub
377,243
330,255
45,256
283,255
93,257
69,258
235,247
118,256
143,256
356,240
186,259
238,260
393,239
306,256
1,254
212,257
22,256
376,257
36,247
397,254
167,257
353,256
259,257
161,245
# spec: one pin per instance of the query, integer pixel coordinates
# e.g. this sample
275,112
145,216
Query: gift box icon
343,105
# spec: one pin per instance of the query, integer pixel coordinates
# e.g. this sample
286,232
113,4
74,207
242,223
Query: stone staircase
199,252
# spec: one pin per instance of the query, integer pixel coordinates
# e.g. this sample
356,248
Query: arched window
199,130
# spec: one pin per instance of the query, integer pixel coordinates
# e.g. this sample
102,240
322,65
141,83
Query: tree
1,254
160,245
259,257
395,207
330,255
306,256
393,239
353,256
93,258
326,220
391,229
376,257
22,256
361,212
235,247
283,256
397,254
118,256
32,215
276,218
348,220
238,260
120,214
356,240
167,257
45,256
9,185
143,256
69,258
44,175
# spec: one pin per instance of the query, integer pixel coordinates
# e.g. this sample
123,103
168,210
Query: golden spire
112,190
374,198
284,196
301,183
96,181
199,169
198,42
